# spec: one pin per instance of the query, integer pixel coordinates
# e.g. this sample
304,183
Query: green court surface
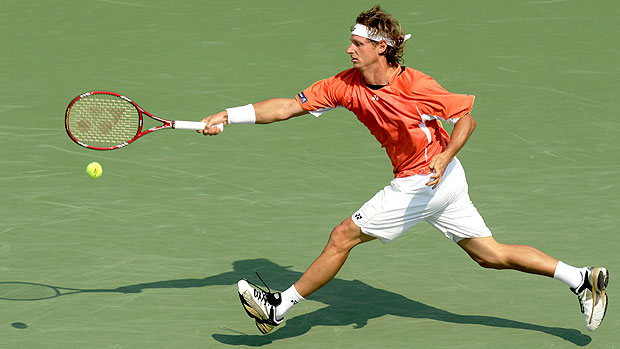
148,255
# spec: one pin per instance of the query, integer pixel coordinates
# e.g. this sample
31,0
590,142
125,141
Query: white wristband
241,115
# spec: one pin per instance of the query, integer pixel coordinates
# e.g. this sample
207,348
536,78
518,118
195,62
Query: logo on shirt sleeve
302,97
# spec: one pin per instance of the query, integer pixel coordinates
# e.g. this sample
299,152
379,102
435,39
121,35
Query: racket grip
193,125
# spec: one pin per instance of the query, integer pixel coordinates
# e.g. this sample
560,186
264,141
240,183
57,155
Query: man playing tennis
402,108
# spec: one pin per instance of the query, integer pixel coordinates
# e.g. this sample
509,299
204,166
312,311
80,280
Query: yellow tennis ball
94,170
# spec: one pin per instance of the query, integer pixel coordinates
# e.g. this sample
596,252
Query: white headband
363,31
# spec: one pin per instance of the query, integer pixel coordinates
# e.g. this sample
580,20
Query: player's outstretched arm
277,109
264,112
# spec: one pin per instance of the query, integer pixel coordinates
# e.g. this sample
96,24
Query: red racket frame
140,133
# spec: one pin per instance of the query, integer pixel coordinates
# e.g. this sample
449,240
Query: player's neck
379,74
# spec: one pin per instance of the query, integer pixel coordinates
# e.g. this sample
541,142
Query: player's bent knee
487,252
495,260
344,237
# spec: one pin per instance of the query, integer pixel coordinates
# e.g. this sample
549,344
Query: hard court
148,255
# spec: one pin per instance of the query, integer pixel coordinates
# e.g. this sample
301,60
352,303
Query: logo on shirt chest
375,97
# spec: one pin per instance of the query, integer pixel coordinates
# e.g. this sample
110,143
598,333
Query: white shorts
407,201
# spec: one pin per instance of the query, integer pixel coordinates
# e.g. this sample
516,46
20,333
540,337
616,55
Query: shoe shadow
341,310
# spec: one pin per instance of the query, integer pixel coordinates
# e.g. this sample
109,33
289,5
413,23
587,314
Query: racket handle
193,125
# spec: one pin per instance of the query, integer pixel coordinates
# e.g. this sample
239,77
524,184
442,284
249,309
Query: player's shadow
348,303
354,303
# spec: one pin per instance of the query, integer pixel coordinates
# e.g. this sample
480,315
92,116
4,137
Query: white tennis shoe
260,305
592,296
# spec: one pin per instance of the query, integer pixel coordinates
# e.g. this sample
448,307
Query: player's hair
382,22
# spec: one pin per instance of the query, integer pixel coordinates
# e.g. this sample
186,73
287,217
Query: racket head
103,120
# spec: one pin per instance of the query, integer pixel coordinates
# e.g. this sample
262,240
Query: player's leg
460,221
491,254
268,308
386,216
589,284
341,240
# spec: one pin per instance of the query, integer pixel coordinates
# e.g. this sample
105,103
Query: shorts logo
358,216
302,97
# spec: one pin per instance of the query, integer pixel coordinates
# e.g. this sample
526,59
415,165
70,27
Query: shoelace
262,295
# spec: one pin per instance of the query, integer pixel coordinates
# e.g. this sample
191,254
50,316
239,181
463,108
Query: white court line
544,2
126,3
528,19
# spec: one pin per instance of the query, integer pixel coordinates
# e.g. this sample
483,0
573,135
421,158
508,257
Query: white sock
568,274
289,297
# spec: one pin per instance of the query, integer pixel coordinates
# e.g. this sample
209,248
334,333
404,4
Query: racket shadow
347,303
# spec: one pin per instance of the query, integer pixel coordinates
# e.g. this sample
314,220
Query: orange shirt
403,115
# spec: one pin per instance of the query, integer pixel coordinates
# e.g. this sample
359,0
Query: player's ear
381,47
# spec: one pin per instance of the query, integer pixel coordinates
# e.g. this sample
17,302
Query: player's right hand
211,121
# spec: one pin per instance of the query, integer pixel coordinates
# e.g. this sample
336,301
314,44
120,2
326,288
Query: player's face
363,52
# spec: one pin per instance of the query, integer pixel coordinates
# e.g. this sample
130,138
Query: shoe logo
260,296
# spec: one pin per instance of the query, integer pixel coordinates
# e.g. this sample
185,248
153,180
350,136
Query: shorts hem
380,238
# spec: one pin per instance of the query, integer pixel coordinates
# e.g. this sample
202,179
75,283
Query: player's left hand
438,165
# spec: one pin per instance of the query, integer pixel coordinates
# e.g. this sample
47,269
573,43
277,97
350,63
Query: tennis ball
94,170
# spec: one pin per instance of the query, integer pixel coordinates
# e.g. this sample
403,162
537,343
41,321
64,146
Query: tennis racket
105,120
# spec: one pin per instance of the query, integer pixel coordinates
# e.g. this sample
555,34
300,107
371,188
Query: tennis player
403,108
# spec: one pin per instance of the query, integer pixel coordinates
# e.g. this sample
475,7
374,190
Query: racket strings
103,120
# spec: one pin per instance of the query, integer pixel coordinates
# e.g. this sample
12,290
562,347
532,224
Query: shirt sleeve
441,104
320,97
